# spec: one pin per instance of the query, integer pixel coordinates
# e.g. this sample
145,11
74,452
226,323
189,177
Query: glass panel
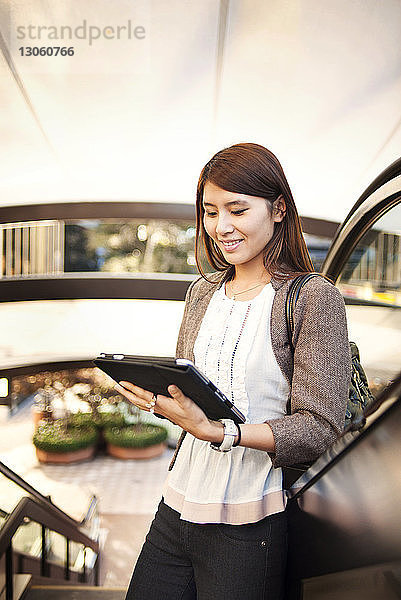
122,246
28,538
80,555
90,558
56,547
144,246
10,495
136,246
76,556
373,273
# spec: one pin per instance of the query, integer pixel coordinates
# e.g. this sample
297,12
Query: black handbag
359,396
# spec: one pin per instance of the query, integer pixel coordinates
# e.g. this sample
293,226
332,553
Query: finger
176,393
119,388
129,386
143,399
129,395
138,391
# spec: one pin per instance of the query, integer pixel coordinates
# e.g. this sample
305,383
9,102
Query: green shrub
53,436
104,419
80,419
111,419
139,435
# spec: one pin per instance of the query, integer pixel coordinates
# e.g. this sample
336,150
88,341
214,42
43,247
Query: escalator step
74,593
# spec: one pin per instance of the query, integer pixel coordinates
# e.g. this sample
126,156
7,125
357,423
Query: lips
230,245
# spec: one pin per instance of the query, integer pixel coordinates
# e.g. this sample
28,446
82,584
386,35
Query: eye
210,213
239,212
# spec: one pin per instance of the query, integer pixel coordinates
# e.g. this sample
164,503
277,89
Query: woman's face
240,225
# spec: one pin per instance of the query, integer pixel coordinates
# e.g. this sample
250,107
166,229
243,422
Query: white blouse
233,348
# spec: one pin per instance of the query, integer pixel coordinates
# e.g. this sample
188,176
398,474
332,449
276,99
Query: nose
224,224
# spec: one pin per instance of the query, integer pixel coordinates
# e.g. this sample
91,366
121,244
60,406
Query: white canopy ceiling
317,81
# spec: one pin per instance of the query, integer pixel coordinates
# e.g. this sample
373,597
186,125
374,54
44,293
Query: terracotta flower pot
65,457
40,414
136,453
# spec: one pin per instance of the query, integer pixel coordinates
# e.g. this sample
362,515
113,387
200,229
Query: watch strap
230,433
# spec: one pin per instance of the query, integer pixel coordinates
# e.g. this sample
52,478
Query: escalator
344,514
44,552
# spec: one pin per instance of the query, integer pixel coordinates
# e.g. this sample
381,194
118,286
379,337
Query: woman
220,529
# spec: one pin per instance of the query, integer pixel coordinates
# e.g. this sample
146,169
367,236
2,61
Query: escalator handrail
384,177
27,487
35,511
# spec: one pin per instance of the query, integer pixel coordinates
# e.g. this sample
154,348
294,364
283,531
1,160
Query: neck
247,276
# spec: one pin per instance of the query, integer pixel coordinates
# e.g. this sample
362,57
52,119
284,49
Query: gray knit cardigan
318,372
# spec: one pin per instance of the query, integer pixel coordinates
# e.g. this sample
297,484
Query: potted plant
135,441
64,442
100,420
42,409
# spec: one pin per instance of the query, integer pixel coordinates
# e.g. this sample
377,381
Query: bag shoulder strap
292,297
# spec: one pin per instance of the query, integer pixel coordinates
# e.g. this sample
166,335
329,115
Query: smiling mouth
230,245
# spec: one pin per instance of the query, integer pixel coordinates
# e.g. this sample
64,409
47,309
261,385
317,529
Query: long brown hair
253,170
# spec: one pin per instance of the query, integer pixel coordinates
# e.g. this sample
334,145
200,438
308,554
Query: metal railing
27,487
31,248
380,261
40,509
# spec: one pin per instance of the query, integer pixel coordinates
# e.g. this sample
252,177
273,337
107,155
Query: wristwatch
230,432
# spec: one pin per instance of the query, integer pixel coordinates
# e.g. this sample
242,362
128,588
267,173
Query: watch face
230,427
230,431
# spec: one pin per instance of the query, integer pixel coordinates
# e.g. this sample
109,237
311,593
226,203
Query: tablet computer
156,374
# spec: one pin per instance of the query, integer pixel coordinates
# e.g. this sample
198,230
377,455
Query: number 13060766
46,51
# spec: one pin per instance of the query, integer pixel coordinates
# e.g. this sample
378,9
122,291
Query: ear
279,209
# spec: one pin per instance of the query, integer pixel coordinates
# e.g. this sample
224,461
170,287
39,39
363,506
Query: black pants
187,561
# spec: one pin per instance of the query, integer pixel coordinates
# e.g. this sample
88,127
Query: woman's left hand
178,408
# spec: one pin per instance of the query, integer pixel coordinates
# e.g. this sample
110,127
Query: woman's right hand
177,407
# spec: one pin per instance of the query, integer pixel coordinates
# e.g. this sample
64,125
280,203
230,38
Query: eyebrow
231,203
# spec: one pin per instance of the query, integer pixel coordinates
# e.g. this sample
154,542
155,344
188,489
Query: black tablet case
157,374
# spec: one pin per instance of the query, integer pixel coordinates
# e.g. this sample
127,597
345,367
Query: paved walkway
128,492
